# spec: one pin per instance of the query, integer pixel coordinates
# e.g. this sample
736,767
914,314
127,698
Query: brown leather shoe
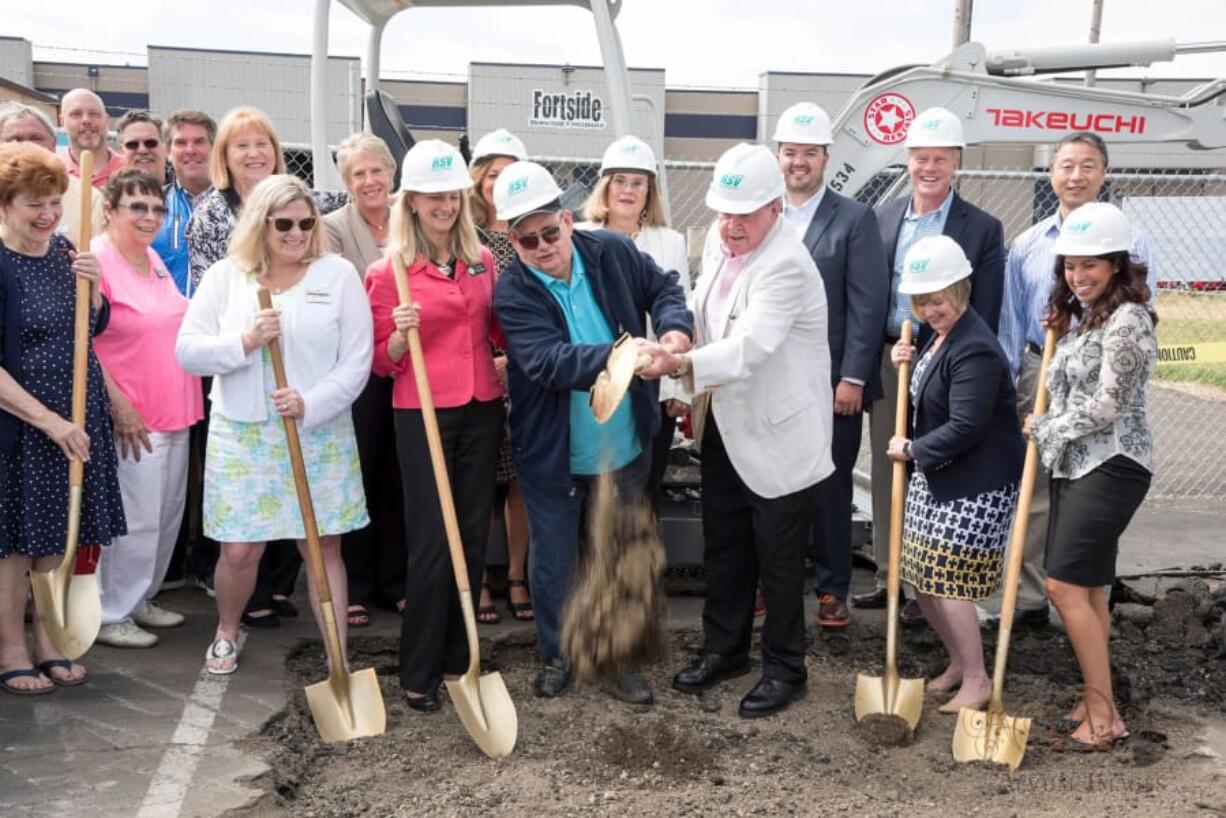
832,612
870,599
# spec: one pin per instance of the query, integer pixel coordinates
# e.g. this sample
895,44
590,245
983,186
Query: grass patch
1189,318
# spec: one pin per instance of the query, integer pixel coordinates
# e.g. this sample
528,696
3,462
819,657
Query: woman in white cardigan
321,319
627,200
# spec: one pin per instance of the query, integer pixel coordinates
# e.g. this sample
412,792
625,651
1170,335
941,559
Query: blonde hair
597,207
236,121
958,294
406,237
480,208
248,243
362,144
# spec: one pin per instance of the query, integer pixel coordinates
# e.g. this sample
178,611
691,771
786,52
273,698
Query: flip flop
65,664
221,650
20,691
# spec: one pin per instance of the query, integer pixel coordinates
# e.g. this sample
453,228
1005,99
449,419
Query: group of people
791,333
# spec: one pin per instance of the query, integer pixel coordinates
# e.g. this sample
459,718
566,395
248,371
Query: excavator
998,94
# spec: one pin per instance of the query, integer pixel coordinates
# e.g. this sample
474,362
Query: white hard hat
935,128
1094,229
804,123
433,166
746,178
523,188
628,153
500,143
931,265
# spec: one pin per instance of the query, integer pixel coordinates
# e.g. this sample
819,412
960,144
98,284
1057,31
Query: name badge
477,269
318,297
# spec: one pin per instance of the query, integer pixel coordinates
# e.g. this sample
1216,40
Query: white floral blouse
1097,382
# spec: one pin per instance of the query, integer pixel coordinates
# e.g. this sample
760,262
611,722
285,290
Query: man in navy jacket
562,304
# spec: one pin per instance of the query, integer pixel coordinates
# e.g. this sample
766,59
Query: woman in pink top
452,281
153,402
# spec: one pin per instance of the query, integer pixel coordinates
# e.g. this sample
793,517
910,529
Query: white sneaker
125,634
154,616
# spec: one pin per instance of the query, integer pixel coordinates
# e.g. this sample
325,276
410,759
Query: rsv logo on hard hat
517,186
441,163
1080,227
803,119
731,180
931,124
919,265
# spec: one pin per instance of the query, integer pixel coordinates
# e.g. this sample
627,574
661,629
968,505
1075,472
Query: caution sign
1214,353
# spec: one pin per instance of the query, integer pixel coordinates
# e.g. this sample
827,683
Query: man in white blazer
759,377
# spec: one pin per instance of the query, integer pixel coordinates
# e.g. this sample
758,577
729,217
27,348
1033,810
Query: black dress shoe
266,621
871,600
428,703
911,615
768,697
709,671
553,679
629,687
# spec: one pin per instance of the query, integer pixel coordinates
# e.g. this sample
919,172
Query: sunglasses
286,225
549,235
142,209
134,144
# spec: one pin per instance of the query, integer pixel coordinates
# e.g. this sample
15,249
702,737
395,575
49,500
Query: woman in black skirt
967,448
1095,438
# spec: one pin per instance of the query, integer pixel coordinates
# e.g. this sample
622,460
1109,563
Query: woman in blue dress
38,273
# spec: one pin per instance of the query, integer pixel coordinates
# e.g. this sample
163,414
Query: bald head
85,120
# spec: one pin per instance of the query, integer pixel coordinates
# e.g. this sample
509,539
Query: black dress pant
752,542
832,523
660,447
201,552
432,637
375,555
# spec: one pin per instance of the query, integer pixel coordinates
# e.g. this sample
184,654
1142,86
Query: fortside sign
582,110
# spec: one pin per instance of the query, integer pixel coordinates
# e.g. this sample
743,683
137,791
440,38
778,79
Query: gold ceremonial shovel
890,695
346,705
482,702
611,385
992,735
69,605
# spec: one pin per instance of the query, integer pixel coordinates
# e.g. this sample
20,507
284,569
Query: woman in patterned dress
38,273
493,152
322,320
966,447
1095,438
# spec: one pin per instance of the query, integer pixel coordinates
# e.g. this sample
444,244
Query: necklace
375,227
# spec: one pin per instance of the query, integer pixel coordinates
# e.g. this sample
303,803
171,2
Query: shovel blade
347,706
486,711
990,736
886,696
70,608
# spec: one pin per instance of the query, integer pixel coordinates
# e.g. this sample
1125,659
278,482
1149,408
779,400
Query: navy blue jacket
967,438
544,367
981,237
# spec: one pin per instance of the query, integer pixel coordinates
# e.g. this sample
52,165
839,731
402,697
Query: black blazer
845,242
966,435
981,237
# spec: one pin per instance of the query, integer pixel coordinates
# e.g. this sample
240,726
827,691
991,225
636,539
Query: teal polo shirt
594,447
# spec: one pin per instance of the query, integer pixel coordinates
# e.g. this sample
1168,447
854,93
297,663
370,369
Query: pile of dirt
587,754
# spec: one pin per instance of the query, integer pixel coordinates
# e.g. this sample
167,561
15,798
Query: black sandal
488,614
520,611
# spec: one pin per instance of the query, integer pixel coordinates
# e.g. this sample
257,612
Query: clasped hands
665,354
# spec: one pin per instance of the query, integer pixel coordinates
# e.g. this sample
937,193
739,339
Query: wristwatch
682,369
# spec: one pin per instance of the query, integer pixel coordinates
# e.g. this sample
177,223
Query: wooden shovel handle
315,557
1017,542
898,497
80,327
433,438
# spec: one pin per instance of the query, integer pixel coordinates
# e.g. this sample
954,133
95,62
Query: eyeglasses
142,209
286,225
531,241
134,144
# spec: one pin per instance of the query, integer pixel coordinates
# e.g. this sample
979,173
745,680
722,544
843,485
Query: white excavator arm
999,106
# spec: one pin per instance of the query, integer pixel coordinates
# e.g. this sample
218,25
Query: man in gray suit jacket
843,238
934,152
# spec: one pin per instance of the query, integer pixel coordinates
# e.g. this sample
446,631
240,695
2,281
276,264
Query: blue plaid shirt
912,230
1030,274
